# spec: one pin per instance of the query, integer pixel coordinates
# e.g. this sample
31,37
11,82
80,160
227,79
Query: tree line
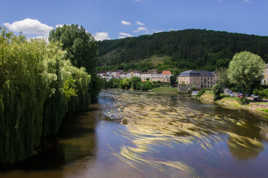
186,49
134,83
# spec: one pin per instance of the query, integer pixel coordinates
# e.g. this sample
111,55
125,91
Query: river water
144,135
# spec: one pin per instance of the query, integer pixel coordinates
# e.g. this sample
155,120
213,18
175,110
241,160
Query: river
144,135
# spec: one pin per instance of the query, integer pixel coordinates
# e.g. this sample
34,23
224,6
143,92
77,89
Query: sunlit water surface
143,135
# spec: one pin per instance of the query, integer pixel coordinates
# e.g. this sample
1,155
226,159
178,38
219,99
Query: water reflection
162,136
173,121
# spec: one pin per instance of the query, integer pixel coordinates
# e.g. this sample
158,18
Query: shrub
201,92
217,90
125,83
134,82
244,100
261,93
147,86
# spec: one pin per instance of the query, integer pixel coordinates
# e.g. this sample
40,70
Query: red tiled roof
166,72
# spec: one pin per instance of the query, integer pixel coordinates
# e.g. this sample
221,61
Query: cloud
29,26
125,22
124,35
140,29
140,23
59,25
100,36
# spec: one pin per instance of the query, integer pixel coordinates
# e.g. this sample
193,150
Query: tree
246,71
134,82
125,83
81,49
147,86
173,81
186,49
38,87
217,90
80,45
222,77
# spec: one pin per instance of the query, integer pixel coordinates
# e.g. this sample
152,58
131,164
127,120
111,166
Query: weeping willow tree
38,87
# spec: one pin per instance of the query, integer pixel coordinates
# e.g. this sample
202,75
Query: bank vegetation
39,87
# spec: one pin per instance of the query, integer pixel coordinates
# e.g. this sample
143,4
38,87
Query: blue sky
111,19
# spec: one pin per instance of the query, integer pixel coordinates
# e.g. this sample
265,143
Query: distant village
151,75
190,79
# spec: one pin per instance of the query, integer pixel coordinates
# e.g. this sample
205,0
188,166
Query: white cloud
141,29
100,36
140,23
125,22
29,27
59,25
124,35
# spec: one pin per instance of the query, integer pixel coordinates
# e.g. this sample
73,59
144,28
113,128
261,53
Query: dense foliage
81,49
134,83
261,92
38,87
186,49
80,46
217,90
246,71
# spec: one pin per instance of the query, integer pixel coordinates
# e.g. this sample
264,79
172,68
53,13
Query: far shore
233,103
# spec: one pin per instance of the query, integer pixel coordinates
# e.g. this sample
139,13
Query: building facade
152,76
196,79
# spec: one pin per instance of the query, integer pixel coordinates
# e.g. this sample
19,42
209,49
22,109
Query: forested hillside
178,50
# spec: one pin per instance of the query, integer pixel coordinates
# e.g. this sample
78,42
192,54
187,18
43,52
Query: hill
178,50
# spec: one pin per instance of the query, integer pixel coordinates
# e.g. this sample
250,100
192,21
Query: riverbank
165,136
233,103
165,90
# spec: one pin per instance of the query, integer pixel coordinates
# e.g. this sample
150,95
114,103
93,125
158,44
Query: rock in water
124,121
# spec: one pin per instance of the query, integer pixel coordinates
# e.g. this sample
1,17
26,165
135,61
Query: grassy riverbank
165,90
234,103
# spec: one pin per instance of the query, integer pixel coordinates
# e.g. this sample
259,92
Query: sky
113,19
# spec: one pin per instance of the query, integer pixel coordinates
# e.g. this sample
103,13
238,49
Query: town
187,80
152,75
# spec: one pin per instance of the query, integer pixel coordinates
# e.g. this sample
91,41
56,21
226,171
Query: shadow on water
162,136
76,141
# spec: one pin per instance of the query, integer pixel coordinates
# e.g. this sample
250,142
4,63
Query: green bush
147,86
244,100
134,83
201,92
261,93
125,84
217,90
113,83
